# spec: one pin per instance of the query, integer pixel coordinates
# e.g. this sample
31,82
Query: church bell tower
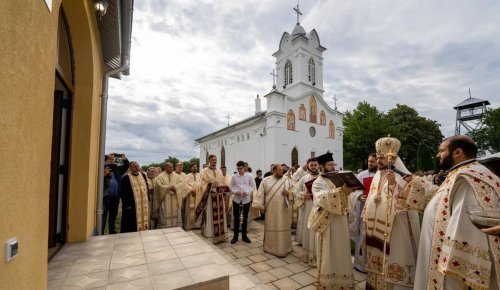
299,62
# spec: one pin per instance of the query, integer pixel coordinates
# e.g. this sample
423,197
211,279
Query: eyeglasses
239,168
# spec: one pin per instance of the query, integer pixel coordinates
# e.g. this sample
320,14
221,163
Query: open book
339,178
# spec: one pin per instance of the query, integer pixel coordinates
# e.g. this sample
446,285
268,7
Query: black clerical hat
323,159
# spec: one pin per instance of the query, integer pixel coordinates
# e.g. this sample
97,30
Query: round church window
312,131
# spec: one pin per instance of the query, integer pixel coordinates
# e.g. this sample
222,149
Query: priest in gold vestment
273,197
304,202
453,253
211,211
392,227
134,199
328,218
192,198
169,188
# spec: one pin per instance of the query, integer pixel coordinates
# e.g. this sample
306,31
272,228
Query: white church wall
246,144
270,141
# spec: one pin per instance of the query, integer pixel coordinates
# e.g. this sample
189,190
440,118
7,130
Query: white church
297,124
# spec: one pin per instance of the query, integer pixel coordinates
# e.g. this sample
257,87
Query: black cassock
129,219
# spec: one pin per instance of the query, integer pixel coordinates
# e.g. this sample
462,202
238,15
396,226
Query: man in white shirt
242,186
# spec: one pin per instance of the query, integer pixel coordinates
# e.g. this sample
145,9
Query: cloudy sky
195,61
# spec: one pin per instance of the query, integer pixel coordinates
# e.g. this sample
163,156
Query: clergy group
408,231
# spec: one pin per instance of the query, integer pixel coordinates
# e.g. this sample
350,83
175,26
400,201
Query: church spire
298,29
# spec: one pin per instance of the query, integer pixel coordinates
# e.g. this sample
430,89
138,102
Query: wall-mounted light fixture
101,6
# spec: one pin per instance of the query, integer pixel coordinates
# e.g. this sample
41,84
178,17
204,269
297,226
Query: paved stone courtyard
276,273
172,258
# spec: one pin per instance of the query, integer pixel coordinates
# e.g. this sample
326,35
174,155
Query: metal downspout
127,19
102,143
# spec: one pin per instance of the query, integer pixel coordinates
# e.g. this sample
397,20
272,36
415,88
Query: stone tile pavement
274,272
156,259
172,258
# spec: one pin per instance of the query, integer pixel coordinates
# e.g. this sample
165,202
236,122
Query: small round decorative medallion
312,131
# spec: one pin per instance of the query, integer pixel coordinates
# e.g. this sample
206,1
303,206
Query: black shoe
235,239
246,239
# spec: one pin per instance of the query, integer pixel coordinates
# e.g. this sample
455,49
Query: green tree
412,129
488,137
172,160
186,164
362,128
424,158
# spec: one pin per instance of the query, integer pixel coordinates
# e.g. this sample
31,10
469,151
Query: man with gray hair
134,197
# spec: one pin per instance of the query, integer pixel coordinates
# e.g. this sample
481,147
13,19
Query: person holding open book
304,201
328,218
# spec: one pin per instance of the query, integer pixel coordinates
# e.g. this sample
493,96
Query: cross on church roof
335,100
275,75
228,117
297,11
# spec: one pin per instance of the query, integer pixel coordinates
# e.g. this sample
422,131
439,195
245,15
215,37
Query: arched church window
290,120
295,156
322,118
312,109
223,157
288,73
302,112
206,158
238,138
331,130
312,71
248,136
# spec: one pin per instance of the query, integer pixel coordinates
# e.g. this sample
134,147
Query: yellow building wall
84,147
28,33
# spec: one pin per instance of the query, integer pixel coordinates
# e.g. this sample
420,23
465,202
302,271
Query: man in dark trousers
110,205
110,199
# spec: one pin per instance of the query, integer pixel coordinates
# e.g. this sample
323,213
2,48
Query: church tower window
288,73
331,130
290,120
312,109
312,71
302,112
322,118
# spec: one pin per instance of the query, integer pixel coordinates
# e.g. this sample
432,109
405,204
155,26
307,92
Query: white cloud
194,62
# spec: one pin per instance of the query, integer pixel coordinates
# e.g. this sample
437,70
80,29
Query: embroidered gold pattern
395,272
473,274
